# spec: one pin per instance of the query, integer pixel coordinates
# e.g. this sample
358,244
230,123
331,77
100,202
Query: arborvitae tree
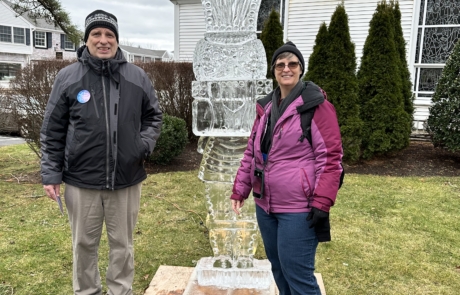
272,39
317,63
341,83
386,124
403,67
443,123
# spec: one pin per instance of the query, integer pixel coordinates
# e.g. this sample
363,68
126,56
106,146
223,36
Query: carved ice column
230,68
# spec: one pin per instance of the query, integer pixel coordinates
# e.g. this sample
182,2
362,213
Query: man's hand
52,190
236,205
316,216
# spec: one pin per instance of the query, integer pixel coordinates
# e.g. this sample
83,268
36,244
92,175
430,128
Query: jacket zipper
266,159
107,166
94,103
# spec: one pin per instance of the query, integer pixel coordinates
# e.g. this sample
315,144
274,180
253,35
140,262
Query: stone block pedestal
178,280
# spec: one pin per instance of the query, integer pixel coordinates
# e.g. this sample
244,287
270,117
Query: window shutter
27,36
49,40
62,41
33,39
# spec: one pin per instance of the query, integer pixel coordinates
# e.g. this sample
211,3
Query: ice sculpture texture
230,67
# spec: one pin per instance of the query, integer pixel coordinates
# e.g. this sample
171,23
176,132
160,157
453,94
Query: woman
294,183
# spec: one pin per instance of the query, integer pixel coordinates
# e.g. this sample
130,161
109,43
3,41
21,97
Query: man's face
102,43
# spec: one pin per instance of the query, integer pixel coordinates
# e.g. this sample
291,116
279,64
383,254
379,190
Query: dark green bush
387,125
443,123
172,141
272,39
406,82
317,62
332,66
341,84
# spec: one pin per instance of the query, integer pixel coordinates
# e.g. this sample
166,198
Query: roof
39,23
142,51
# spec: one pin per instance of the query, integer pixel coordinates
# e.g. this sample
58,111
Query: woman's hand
236,205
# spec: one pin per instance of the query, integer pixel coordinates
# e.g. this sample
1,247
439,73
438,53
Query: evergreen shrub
443,124
172,141
406,83
387,125
332,66
272,39
317,70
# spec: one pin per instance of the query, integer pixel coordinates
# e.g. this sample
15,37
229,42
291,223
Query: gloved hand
320,221
317,216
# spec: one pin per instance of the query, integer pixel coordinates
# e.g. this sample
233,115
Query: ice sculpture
230,68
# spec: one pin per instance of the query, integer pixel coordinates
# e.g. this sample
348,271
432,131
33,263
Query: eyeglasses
292,65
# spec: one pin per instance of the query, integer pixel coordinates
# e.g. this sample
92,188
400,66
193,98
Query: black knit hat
288,47
101,19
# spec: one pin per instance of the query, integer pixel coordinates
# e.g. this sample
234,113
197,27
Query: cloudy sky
148,23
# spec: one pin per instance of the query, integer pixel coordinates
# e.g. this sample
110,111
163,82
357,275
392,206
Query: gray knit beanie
101,19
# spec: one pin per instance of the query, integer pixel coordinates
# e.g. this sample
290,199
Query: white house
23,40
431,29
137,54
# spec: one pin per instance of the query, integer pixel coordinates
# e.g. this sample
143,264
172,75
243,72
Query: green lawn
390,235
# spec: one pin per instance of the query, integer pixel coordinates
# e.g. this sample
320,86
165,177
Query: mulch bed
419,159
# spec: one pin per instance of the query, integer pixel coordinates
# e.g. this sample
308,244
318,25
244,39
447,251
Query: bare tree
173,86
29,94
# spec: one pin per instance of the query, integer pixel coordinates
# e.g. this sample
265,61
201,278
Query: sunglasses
292,65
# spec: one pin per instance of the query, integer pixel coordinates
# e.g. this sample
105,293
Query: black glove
320,221
316,216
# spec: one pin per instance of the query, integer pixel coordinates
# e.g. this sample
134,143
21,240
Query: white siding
304,18
8,18
191,29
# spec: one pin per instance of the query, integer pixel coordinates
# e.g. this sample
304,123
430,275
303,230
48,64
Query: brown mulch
419,159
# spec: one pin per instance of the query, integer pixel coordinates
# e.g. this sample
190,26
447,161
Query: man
101,122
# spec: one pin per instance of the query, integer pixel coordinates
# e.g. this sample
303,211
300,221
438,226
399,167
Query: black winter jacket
101,122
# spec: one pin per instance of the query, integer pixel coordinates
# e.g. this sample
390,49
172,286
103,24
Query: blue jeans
290,247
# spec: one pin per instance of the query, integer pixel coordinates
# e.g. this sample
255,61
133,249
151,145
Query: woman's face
289,75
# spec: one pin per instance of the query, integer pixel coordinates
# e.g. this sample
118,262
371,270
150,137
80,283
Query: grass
390,235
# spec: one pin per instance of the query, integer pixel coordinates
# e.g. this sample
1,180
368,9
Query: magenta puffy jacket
297,176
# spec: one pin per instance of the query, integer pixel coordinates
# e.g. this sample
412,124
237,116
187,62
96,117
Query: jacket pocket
140,147
306,184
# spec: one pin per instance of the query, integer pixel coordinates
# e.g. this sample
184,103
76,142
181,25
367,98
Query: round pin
83,96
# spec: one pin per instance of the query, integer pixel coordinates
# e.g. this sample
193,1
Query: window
12,35
8,71
59,55
5,34
40,39
68,45
438,31
265,9
19,36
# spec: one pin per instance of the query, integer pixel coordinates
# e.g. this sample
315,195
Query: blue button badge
83,96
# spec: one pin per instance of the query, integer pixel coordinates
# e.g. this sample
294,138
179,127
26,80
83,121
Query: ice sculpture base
257,277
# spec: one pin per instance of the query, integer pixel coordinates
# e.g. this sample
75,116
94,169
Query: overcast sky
148,23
